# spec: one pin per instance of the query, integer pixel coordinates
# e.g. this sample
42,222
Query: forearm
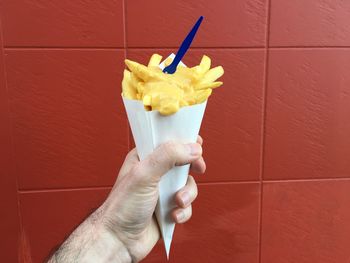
91,242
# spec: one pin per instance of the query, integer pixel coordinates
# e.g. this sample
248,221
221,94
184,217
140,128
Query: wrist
109,244
112,248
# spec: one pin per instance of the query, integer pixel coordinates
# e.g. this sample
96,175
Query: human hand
128,212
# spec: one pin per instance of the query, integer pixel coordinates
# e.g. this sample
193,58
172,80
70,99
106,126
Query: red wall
276,134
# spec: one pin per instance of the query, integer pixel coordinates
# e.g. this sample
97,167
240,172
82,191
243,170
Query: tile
9,227
226,23
49,217
306,221
310,23
69,125
63,23
232,123
308,107
224,227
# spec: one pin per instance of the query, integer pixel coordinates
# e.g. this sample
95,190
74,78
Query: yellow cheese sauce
167,93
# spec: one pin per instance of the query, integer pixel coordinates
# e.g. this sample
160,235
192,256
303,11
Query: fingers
200,140
199,166
183,199
181,215
165,157
187,194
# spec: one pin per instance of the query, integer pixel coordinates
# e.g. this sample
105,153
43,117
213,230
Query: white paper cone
150,129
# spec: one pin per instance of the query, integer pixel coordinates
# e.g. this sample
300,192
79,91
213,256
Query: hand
128,212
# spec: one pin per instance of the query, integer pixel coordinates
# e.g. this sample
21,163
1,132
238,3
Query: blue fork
183,48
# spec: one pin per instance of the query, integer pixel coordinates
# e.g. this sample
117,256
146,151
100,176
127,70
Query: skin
123,228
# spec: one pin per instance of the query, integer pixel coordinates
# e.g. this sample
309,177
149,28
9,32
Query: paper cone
150,129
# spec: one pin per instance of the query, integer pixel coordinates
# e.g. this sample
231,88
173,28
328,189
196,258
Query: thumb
165,157
130,161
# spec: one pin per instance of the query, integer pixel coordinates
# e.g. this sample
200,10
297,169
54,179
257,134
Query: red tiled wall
277,134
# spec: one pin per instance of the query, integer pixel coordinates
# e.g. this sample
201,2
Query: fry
213,74
202,95
207,85
141,71
205,64
147,100
128,90
154,60
168,61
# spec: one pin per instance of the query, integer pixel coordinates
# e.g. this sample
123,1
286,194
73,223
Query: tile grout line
125,43
227,182
124,25
163,48
110,186
82,188
60,48
309,47
125,56
10,126
307,180
36,191
263,125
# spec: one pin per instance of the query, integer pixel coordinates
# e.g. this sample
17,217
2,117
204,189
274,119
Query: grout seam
228,182
61,48
120,48
263,126
48,190
125,56
165,48
124,25
10,128
82,188
307,180
125,45
309,47
27,190
201,47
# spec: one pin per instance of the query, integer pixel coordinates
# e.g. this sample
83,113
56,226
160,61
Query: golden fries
209,85
168,92
128,90
212,75
154,60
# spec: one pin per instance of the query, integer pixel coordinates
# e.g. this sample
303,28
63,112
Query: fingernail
195,149
180,215
185,198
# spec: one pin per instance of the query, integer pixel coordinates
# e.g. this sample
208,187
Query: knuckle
131,153
194,187
153,161
195,192
170,148
135,171
188,212
170,151
204,165
138,176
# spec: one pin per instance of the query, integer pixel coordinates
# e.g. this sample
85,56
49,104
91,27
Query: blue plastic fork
183,48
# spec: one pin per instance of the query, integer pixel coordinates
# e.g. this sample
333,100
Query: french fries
169,92
154,60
